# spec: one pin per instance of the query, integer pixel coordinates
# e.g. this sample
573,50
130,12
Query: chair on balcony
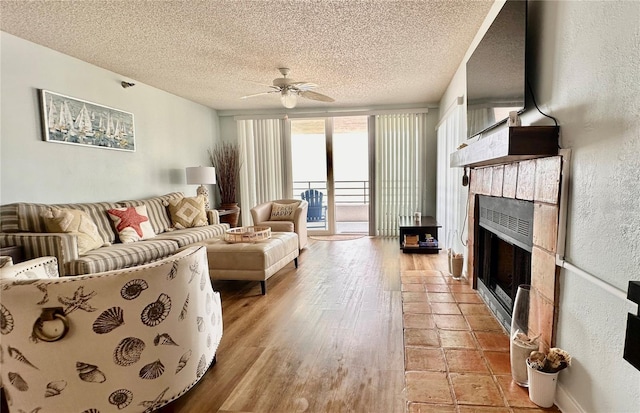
317,213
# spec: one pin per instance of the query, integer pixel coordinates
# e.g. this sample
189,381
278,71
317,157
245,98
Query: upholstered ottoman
251,261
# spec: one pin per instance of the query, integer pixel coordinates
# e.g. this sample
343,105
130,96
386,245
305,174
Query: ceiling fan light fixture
289,99
290,90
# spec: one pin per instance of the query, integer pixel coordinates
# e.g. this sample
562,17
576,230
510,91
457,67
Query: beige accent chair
261,215
129,340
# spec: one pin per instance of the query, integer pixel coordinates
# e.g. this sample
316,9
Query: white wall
584,68
448,105
228,129
585,71
171,133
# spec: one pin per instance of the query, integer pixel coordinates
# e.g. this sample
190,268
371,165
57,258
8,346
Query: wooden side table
16,252
226,216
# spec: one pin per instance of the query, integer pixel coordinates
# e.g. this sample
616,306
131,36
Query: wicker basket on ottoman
251,261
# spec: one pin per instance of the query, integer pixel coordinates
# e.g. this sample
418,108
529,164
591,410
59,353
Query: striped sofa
22,224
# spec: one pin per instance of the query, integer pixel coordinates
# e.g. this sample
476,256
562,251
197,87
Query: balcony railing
351,203
345,192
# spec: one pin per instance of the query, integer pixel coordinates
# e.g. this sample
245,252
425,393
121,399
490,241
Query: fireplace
522,242
504,252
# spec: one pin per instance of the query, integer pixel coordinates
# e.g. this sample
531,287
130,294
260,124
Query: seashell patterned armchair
128,340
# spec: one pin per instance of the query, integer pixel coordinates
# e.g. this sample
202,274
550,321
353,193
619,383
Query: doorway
331,156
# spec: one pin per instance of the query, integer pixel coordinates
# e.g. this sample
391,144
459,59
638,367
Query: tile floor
456,353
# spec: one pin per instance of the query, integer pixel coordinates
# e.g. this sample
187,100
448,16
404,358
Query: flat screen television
496,77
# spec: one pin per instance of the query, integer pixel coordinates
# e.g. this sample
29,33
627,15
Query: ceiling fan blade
259,94
316,96
257,83
304,85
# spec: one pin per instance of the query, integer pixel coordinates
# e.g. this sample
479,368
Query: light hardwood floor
327,337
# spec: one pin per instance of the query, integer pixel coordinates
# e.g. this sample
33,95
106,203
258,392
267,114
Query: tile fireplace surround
538,181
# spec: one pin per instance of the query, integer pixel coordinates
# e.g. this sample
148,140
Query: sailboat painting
78,122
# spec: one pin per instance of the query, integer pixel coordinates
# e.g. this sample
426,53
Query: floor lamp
202,175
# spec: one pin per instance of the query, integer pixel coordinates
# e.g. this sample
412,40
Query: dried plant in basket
225,157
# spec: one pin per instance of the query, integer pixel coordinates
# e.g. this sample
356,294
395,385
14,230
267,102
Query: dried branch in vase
225,157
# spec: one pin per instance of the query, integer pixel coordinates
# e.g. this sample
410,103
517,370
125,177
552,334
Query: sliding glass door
330,170
310,170
351,174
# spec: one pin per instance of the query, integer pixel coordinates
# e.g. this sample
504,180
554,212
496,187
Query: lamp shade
201,175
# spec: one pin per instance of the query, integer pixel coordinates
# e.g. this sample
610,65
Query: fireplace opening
503,258
504,267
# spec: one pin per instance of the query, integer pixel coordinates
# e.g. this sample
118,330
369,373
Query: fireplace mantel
516,143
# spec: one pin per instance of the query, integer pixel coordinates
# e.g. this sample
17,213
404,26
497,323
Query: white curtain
451,195
400,168
263,174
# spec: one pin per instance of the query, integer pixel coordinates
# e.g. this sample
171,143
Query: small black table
421,227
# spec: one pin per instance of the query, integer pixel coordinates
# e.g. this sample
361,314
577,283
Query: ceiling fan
290,90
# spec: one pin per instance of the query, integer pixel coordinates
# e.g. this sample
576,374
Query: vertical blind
264,163
451,195
400,168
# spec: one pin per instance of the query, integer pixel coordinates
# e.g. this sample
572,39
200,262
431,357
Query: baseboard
565,402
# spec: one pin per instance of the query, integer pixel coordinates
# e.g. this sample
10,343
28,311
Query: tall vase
521,343
232,218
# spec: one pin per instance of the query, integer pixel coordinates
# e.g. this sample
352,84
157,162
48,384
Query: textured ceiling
361,53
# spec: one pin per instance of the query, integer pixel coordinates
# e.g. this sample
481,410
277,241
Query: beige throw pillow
77,222
283,212
132,223
188,212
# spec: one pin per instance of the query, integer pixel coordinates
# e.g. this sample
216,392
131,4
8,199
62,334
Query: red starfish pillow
132,223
